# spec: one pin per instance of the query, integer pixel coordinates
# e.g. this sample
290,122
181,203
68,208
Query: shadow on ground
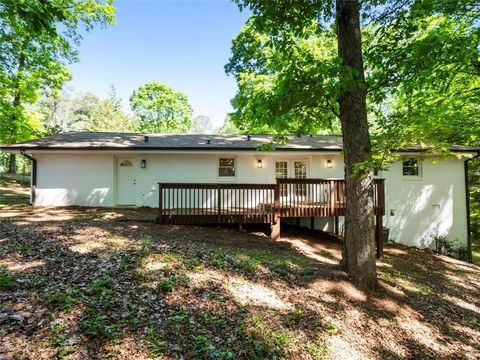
96,283
13,191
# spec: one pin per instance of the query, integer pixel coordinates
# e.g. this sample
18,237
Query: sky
181,43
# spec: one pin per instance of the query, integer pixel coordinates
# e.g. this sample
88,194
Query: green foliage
7,282
284,89
251,261
161,109
18,124
64,299
156,344
422,72
330,328
101,287
263,342
284,267
201,125
109,116
62,112
220,258
37,39
318,349
474,181
228,127
476,252
421,67
294,317
424,78
167,285
204,349
98,326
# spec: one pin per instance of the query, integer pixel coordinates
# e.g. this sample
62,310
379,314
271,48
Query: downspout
467,197
34,177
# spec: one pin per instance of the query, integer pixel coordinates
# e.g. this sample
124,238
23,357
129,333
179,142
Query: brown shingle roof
135,141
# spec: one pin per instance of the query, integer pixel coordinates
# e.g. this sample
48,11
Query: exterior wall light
143,164
259,164
329,164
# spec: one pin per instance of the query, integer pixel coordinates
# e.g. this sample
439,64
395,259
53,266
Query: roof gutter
467,198
33,187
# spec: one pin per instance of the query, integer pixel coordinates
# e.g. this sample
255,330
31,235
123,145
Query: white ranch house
223,178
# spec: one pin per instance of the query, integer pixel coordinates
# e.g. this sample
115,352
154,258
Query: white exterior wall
74,179
433,204
203,168
416,210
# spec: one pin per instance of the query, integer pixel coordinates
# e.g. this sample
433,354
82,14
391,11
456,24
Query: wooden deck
200,203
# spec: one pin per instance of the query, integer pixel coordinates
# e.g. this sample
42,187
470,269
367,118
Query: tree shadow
101,283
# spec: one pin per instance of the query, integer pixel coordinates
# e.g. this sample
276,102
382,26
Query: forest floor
110,283
13,190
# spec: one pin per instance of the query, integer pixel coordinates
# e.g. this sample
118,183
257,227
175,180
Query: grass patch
330,328
294,317
7,281
406,282
167,285
318,349
156,345
64,300
251,261
60,339
262,342
98,326
220,258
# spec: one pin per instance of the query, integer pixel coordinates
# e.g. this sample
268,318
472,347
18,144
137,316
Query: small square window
411,167
226,167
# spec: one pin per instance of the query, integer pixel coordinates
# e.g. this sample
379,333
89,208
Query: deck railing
216,203
197,203
321,197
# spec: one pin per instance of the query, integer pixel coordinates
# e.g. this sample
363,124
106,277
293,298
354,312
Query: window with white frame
411,167
281,169
292,168
281,172
226,167
300,173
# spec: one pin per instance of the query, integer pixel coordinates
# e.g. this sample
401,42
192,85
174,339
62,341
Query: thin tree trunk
12,165
359,252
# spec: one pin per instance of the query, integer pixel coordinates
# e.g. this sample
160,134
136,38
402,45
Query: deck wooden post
336,226
160,203
379,235
219,203
275,225
332,210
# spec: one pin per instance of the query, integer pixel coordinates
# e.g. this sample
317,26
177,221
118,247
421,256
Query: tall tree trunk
12,165
359,252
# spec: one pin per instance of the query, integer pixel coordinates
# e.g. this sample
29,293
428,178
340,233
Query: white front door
125,182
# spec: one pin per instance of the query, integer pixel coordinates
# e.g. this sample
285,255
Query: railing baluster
246,203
